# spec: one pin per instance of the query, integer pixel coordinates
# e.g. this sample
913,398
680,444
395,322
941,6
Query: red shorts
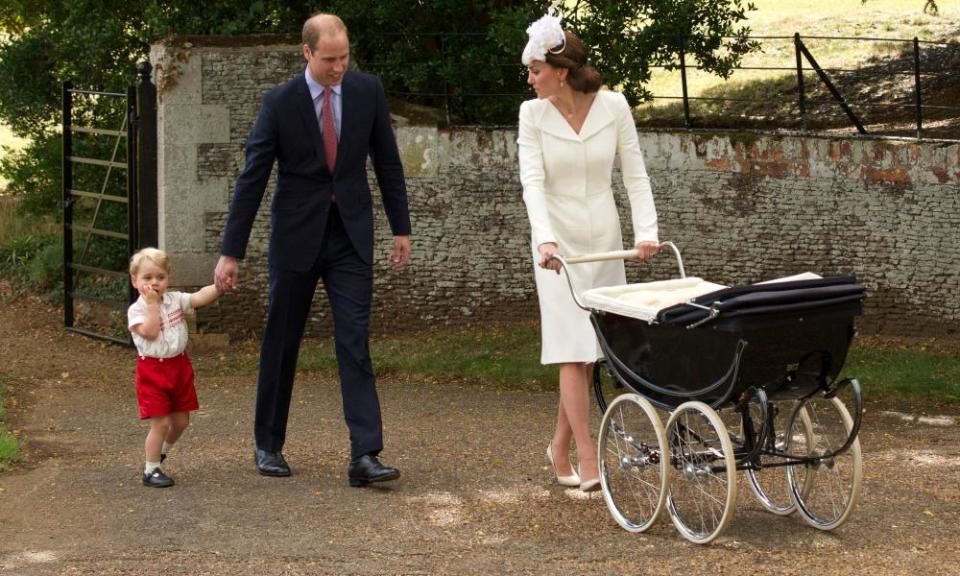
165,386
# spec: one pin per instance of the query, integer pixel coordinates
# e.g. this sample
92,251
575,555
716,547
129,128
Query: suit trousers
348,282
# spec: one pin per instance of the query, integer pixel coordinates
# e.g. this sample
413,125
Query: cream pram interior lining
643,301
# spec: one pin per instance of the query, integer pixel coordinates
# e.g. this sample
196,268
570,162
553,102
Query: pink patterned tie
329,131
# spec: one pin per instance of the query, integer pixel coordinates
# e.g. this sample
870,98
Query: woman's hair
582,76
158,257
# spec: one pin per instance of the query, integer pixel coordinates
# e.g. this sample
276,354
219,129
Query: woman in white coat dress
568,138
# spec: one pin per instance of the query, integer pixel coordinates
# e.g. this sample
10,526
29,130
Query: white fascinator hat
545,35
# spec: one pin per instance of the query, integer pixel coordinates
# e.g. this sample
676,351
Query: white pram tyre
827,489
770,485
703,482
633,462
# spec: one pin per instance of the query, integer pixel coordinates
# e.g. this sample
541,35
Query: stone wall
741,207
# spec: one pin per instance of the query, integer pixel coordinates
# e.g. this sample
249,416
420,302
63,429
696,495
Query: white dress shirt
316,93
172,340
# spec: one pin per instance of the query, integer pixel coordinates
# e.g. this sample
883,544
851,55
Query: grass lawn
504,355
10,223
510,356
8,142
9,447
908,374
14,226
8,139
880,18
896,19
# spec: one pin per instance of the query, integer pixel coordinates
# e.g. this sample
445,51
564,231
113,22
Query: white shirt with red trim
172,340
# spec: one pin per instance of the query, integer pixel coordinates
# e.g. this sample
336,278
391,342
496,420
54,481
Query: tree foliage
95,44
463,49
627,37
99,42
462,56
458,55
465,54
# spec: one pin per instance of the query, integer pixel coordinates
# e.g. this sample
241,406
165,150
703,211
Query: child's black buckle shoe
157,479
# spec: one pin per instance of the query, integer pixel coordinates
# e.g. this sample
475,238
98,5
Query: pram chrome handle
622,255
601,256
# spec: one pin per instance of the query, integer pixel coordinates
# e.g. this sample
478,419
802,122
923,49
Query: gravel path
475,496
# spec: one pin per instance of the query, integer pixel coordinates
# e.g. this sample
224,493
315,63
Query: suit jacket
287,130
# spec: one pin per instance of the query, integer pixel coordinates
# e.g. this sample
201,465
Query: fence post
133,231
67,167
446,85
801,94
916,83
147,157
833,89
683,82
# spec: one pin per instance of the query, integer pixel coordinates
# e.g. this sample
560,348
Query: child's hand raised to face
150,295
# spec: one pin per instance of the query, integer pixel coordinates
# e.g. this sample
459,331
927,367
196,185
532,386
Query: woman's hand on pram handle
548,253
647,250
642,251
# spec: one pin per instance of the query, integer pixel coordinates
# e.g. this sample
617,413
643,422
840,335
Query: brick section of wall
741,207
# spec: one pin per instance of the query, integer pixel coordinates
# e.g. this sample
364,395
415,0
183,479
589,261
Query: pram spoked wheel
703,486
770,484
633,462
825,490
767,354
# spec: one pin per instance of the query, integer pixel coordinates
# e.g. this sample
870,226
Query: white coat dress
567,189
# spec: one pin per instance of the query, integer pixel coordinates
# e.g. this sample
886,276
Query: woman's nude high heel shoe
571,480
589,485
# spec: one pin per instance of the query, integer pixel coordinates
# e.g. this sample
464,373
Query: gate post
147,157
67,143
133,231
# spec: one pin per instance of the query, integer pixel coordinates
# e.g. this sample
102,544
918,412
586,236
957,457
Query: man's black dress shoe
367,470
271,463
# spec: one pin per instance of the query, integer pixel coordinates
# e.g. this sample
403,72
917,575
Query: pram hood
780,297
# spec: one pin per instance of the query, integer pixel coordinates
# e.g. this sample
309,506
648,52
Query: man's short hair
321,24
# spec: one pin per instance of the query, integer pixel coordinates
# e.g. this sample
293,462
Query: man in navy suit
319,127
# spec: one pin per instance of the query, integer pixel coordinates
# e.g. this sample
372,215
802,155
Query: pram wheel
633,462
703,483
827,487
770,485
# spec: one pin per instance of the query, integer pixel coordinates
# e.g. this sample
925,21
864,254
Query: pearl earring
562,84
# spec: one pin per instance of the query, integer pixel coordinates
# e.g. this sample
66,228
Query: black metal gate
109,202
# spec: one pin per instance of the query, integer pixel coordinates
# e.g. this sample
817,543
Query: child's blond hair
155,255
